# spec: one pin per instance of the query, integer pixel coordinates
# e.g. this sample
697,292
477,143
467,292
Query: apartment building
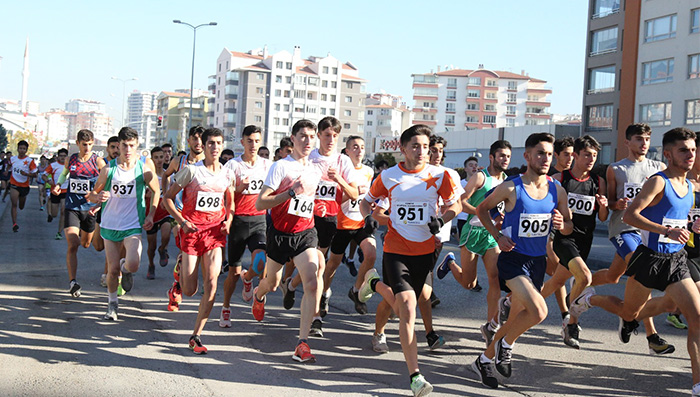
276,90
172,114
459,99
385,116
85,105
642,65
138,105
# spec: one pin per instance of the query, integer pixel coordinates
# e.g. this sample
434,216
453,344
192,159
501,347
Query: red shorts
161,212
202,241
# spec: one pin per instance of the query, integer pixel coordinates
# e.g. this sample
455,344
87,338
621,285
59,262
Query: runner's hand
225,227
332,174
189,227
505,243
435,224
148,222
602,200
621,204
557,220
678,234
56,190
371,225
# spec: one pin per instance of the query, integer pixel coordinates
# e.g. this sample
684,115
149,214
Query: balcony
231,96
425,85
426,122
210,113
605,13
231,124
602,52
538,103
212,88
600,90
543,90
230,110
531,115
425,110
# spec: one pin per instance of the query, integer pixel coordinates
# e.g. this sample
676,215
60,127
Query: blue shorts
513,264
626,242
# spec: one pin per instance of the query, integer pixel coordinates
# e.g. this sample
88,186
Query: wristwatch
291,193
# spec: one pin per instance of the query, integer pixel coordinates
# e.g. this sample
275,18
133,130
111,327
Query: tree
3,138
24,136
388,157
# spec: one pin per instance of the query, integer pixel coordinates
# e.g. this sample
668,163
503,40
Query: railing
605,13
602,52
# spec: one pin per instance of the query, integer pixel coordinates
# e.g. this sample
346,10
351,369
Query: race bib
255,185
673,223
410,212
326,190
301,206
581,204
79,186
534,225
209,201
632,189
693,215
124,190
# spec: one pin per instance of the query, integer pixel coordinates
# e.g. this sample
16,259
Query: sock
373,284
112,297
355,290
302,341
696,388
484,360
413,375
123,269
505,344
289,285
564,314
327,293
507,301
493,325
317,318
72,283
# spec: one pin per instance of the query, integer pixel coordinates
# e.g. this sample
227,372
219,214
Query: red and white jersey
349,217
326,204
245,200
294,215
413,199
25,164
54,170
203,193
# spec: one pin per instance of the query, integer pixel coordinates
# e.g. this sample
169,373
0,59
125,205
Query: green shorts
476,239
119,235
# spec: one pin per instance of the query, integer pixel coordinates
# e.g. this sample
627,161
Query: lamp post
124,81
194,44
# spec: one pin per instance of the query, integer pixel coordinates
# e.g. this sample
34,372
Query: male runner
5,173
249,226
532,201
40,181
57,203
475,240
205,219
413,188
23,168
97,241
288,192
121,188
167,154
471,167
161,221
264,152
586,199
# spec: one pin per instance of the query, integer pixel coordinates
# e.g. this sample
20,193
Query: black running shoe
435,341
570,334
485,372
503,359
75,290
316,328
477,287
626,328
360,307
323,305
360,255
434,300
15,228
658,345
351,267
288,300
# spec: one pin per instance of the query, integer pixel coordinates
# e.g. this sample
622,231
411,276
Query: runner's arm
98,194
603,211
563,210
613,203
652,188
65,172
172,167
502,192
266,200
152,183
381,216
473,184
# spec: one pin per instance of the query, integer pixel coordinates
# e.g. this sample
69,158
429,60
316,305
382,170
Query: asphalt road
52,344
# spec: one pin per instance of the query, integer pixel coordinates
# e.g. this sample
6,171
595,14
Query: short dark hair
227,152
435,139
500,144
381,163
286,142
637,129
418,129
62,150
112,139
677,134
181,153
197,130
471,158
353,137
156,149
163,146
538,137
127,134
85,135
263,148
211,132
303,123
277,151
585,142
23,143
330,122
563,143
250,130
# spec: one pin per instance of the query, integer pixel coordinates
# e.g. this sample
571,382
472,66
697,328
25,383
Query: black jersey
581,199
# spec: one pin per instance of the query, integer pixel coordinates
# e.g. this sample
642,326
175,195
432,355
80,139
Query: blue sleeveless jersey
87,170
530,221
671,211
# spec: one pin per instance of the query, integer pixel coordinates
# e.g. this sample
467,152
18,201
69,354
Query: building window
369,123
452,82
299,109
219,67
257,119
300,79
335,70
657,71
450,107
258,105
348,113
278,93
349,85
656,114
348,99
604,41
510,122
451,95
288,79
370,112
601,79
311,109
324,97
692,111
260,76
489,107
599,118
285,107
472,106
473,93
332,98
323,111
510,110
695,20
472,119
450,119
334,84
299,94
278,79
491,83
332,111
259,90
285,121
346,125
491,95
694,66
324,83
288,65
474,81
512,98
660,28
603,8
286,93
324,70
277,107
276,121
489,119
313,81
512,85
279,65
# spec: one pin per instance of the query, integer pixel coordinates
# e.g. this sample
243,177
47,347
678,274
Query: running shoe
365,291
351,266
176,269
477,287
444,266
658,345
41,208
163,257
174,297
435,341
49,218
316,328
360,307
112,312
303,354
503,310
151,273
103,280
15,228
324,304
676,321
75,289
127,281
420,387
247,292
120,290
570,334
626,328
288,300
582,303
224,267
503,359
225,317
485,372
258,307
434,300
59,236
360,255
695,392
196,345
487,334
379,343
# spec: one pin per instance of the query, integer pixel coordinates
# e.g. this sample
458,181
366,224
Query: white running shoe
225,317
247,292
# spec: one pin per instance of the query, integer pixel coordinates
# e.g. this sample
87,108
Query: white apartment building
138,104
276,90
385,116
85,105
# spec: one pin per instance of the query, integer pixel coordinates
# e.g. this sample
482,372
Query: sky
75,47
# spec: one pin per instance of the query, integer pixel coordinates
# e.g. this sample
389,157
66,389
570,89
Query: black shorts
343,237
4,177
156,225
572,246
57,199
694,268
460,226
513,264
79,219
326,228
282,247
23,190
657,270
246,231
405,273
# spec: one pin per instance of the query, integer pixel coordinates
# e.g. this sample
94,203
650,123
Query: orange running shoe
174,297
176,269
196,345
303,354
258,308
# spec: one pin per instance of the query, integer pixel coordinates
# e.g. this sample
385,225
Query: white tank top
120,211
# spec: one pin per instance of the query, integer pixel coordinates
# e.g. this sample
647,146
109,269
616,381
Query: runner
532,201
586,199
23,168
205,220
97,241
413,188
475,240
264,152
57,202
167,154
292,234
40,181
5,173
161,221
248,227
471,167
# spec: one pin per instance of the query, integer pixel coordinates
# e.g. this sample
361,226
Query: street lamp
124,81
194,43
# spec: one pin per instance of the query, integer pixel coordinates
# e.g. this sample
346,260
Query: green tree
3,138
24,136
388,157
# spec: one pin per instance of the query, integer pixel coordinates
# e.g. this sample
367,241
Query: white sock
696,388
327,293
483,359
112,297
123,269
505,344
289,285
493,325
317,318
